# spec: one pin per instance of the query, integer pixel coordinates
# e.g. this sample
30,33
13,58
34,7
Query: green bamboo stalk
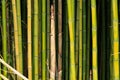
29,39
103,42
108,42
65,58
70,6
88,40
35,41
18,9
44,39
66,52
4,34
48,37
40,38
94,40
115,40
80,42
84,40
77,36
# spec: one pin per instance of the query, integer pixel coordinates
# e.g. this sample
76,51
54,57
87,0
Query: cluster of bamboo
60,39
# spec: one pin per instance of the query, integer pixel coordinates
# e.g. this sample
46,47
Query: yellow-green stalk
29,33
70,7
16,35
115,48
18,9
35,41
80,42
94,40
4,34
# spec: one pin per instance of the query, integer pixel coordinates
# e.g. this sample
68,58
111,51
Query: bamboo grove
60,39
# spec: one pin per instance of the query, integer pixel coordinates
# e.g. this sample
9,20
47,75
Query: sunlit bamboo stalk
116,75
18,9
16,35
70,7
94,40
29,33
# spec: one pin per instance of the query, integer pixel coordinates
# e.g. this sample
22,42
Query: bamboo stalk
115,40
35,42
103,74
88,40
80,42
48,38
18,9
70,6
4,34
77,36
16,35
66,51
40,38
94,40
84,39
108,41
53,49
29,39
59,39
44,40
65,59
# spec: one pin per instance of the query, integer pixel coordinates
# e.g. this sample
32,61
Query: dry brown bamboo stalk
59,39
53,53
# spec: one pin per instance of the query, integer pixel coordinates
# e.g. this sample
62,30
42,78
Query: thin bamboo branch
16,72
3,77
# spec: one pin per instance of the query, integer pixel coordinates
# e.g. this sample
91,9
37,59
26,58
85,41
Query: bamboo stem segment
35,41
4,33
29,40
94,40
53,50
70,7
116,75
16,35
